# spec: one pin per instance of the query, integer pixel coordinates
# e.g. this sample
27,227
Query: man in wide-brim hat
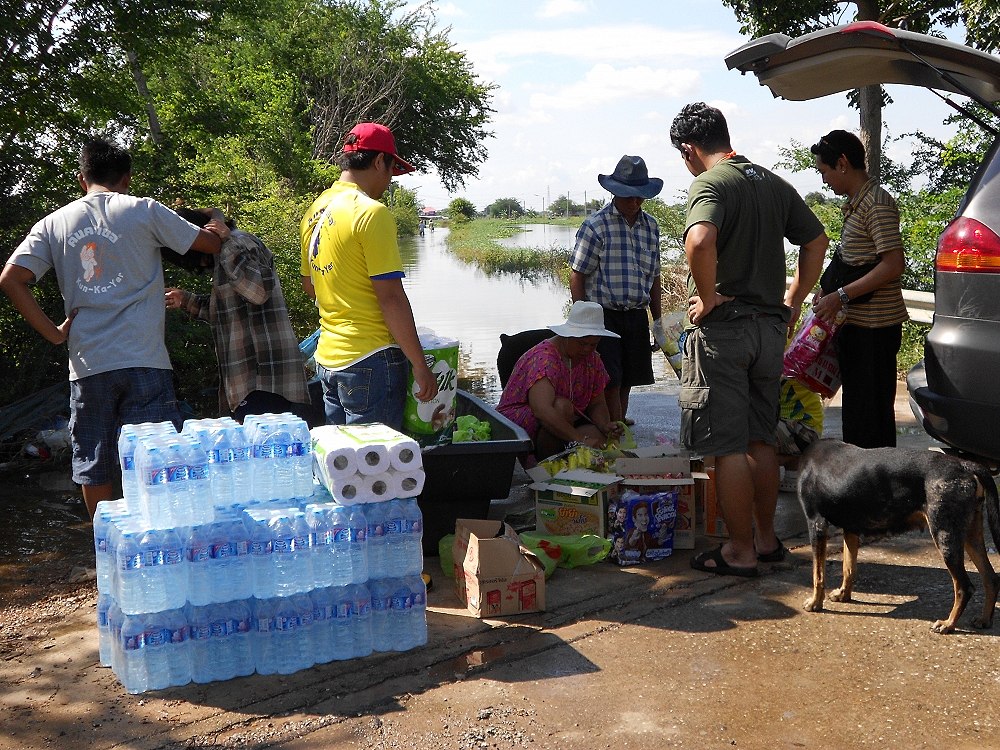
616,263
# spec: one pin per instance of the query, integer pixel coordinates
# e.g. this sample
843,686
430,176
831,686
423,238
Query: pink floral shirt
581,384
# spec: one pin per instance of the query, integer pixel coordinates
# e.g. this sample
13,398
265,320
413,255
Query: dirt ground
661,657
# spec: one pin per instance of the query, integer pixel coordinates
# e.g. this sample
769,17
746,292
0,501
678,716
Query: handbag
839,274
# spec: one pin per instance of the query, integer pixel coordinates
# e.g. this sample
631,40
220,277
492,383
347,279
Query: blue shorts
372,390
99,406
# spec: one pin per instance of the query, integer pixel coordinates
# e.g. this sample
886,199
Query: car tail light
970,246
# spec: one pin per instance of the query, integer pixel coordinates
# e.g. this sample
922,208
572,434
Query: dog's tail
989,485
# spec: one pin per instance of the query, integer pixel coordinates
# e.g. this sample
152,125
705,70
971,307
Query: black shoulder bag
839,274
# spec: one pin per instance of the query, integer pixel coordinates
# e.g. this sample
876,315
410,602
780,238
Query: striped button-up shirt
621,262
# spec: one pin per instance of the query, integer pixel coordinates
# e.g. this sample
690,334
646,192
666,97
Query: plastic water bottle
204,653
200,488
103,563
283,554
307,646
219,450
153,597
322,625
264,656
239,637
115,618
178,636
200,566
133,671
242,455
340,529
105,647
303,567
284,461
157,650
154,495
173,570
302,450
418,615
376,540
395,537
261,564
179,502
263,468
381,595
400,628
321,545
361,619
358,525
287,643
413,550
343,629
240,572
130,573
128,441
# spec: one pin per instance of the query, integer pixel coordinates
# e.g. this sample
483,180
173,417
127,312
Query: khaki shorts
730,384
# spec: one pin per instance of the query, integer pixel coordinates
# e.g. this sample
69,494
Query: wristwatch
844,299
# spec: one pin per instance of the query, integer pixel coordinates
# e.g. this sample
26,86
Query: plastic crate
462,478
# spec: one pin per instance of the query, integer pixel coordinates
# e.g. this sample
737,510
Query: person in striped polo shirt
869,341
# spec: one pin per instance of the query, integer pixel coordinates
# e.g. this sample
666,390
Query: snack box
495,574
641,526
573,502
663,473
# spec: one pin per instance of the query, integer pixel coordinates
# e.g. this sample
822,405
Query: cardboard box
495,574
664,473
711,514
641,526
573,502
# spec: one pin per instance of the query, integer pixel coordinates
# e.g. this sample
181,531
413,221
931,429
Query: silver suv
955,390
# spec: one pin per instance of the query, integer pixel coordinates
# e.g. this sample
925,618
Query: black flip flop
721,567
777,555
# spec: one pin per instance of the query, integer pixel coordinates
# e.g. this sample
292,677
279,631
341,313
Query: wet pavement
654,656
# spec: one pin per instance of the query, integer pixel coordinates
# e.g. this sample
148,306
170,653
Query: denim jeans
372,390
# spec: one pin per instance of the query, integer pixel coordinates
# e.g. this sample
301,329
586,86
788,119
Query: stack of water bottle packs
225,557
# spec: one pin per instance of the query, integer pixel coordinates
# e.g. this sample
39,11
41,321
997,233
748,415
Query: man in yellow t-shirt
351,266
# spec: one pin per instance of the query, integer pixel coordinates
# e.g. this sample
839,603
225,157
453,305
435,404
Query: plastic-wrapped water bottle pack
204,574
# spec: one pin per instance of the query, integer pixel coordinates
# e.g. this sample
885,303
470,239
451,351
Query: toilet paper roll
350,490
373,459
379,486
405,455
408,483
333,453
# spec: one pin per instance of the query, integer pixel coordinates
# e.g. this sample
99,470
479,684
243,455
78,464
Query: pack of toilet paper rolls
366,462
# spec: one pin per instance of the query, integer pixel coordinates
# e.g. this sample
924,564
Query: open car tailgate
841,58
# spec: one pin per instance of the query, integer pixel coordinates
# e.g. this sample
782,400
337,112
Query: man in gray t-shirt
105,251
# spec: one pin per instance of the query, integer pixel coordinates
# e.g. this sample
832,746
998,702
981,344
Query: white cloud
604,86
558,8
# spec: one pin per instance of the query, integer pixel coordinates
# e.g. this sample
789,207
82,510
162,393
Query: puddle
43,515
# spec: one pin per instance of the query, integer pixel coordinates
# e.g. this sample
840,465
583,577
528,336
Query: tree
796,17
505,207
461,209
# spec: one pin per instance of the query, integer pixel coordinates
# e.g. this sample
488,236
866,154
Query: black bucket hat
631,180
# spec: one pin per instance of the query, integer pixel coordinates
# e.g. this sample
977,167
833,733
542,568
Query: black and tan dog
872,492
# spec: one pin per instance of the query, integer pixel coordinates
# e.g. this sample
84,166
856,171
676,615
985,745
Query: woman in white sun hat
556,391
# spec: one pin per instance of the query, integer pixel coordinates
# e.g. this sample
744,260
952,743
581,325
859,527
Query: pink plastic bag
810,357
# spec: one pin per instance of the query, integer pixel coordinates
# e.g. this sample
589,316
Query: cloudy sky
582,82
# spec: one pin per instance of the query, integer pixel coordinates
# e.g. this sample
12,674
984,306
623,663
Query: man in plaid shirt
616,263
260,365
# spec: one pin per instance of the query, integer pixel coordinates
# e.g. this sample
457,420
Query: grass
475,242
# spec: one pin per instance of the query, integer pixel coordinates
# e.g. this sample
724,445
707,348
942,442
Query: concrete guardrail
919,305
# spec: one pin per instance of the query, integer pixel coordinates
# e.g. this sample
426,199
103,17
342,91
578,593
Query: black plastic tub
462,478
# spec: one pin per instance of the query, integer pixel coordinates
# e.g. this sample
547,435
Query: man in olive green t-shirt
738,217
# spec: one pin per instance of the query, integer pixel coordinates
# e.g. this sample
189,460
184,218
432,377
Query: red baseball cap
370,136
